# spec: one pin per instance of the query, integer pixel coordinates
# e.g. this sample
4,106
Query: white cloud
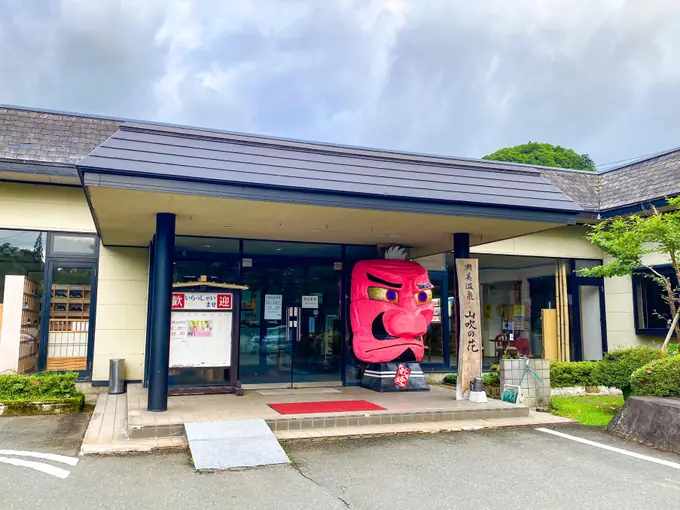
445,76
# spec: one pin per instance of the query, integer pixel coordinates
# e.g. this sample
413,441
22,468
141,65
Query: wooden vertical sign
470,325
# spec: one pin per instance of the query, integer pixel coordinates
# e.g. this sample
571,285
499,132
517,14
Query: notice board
201,330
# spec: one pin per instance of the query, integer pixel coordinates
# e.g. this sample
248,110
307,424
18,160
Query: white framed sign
273,306
310,302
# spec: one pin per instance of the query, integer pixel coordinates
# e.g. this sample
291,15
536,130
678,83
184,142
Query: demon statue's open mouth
390,311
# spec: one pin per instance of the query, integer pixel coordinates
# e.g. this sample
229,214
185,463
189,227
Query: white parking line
38,466
71,461
611,448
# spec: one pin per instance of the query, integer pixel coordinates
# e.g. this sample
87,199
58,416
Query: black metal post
461,250
461,246
159,352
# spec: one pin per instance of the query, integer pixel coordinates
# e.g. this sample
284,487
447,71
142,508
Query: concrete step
366,419
535,419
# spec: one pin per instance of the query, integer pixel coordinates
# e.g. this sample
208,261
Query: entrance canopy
231,185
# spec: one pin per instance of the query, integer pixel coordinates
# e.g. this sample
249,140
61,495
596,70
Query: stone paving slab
233,445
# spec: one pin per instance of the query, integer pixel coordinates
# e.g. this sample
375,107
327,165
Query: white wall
10,325
121,311
43,207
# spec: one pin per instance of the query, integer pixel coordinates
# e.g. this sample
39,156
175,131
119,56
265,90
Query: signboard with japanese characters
402,375
201,301
201,329
310,302
470,326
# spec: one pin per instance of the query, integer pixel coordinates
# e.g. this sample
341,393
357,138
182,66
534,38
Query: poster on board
200,339
273,306
201,329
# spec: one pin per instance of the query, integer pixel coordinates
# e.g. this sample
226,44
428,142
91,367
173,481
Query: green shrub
659,378
564,374
673,350
492,378
451,379
38,387
616,367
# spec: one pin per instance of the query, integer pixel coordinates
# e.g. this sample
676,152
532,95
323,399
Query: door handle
299,328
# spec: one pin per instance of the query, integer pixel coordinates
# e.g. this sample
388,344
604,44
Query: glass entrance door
290,322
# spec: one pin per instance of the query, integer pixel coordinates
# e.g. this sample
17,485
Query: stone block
654,421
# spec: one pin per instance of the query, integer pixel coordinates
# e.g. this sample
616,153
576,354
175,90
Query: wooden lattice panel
66,364
30,327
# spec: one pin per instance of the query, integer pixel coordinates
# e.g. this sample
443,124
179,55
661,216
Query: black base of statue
380,377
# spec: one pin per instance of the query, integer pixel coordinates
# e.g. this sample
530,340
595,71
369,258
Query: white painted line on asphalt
71,461
667,463
38,466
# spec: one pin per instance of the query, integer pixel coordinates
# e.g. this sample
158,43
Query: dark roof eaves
38,167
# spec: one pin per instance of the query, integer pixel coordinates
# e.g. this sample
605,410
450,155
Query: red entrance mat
336,406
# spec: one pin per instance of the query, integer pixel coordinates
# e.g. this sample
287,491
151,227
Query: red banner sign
224,301
403,373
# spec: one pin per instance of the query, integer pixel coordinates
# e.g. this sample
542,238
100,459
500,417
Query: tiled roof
582,187
64,139
644,181
36,136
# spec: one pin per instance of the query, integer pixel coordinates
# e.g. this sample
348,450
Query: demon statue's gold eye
381,294
423,297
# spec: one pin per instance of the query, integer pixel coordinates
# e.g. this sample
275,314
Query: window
652,313
73,245
21,253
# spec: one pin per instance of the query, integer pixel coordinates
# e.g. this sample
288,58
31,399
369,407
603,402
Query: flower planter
22,408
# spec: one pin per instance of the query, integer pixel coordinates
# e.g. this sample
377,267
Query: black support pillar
161,297
461,246
461,250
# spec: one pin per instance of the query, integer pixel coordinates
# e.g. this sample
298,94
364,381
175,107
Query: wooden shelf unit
69,327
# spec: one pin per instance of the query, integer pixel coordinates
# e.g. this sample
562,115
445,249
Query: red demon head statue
391,310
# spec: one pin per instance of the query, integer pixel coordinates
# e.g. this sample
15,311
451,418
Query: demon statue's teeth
391,310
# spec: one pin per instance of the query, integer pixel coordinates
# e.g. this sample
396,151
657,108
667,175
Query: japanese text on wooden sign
470,339
201,301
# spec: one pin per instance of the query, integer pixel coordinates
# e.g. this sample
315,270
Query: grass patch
590,410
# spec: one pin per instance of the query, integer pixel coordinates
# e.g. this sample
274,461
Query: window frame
664,269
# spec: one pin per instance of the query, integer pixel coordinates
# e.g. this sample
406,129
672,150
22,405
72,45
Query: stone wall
536,393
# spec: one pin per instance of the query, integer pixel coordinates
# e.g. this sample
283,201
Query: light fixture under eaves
228,225
314,230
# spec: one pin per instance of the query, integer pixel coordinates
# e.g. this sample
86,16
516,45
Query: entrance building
124,214
287,220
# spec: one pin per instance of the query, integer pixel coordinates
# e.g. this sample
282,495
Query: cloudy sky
457,77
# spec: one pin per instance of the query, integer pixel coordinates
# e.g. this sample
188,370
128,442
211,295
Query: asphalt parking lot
510,468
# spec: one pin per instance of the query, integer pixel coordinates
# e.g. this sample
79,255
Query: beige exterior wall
121,311
564,242
43,207
621,312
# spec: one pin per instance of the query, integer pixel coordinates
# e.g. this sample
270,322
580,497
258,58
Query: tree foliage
544,154
629,239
